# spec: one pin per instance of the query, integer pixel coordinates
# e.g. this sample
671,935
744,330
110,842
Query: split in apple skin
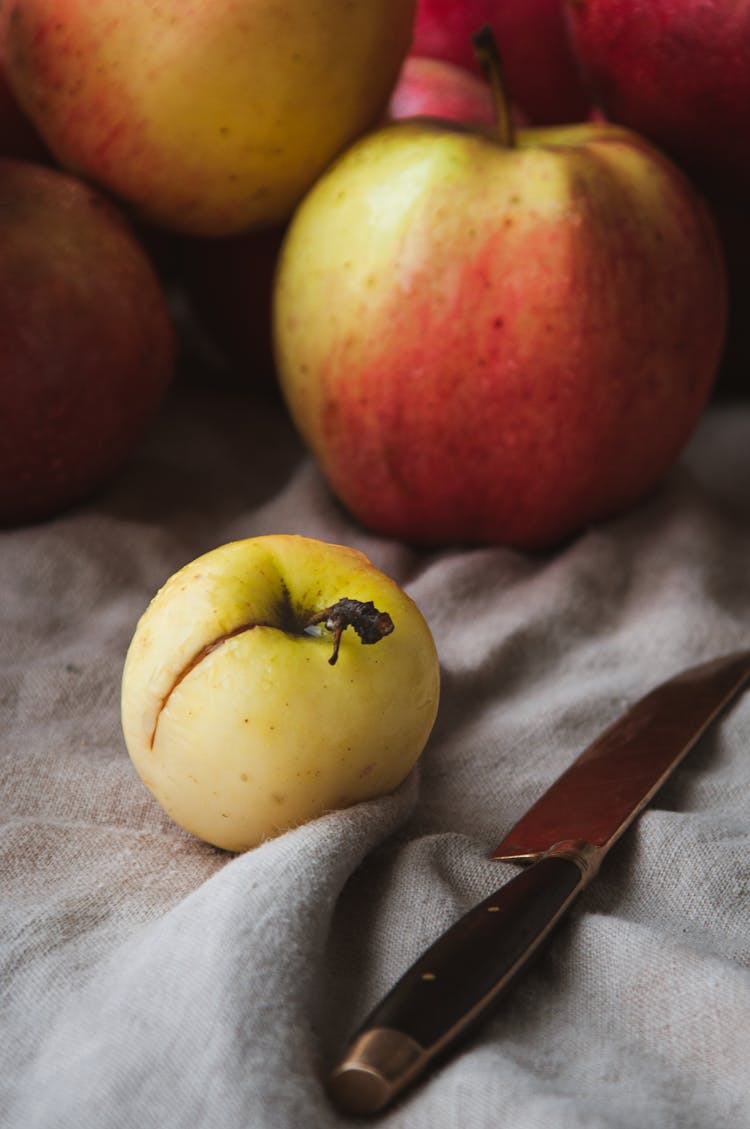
370,625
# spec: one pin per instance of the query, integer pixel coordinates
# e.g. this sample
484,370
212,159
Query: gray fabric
151,981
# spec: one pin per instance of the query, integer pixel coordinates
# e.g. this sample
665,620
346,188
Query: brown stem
488,56
370,624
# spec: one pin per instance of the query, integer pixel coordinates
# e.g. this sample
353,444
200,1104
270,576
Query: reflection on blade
611,781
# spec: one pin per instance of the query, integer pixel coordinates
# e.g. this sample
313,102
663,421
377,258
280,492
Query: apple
541,73
677,71
87,340
249,702
209,119
489,339
436,88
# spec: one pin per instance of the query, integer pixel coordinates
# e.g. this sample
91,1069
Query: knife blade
562,840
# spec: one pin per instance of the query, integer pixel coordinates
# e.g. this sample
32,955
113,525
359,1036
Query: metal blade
603,791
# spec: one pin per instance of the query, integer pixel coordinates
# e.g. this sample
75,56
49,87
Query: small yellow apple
274,679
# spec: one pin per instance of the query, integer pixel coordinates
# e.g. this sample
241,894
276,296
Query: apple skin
541,74
234,717
437,88
86,340
676,71
498,345
208,118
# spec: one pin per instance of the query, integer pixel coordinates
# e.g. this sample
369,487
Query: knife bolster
586,856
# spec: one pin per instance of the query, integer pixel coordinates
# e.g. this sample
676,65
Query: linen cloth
154,982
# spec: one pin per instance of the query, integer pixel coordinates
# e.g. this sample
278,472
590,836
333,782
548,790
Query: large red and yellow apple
86,340
494,342
542,76
678,71
272,680
212,117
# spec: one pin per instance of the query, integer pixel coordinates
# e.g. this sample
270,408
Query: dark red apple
678,72
86,341
541,74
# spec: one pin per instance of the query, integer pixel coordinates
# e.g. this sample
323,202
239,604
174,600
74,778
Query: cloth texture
150,981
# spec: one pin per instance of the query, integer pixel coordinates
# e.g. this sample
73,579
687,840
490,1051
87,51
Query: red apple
87,341
541,74
436,88
484,342
678,71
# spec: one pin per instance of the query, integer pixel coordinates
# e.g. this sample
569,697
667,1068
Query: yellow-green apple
87,340
440,89
678,71
492,339
272,680
209,118
541,73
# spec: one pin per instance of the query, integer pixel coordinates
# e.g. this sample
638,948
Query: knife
562,840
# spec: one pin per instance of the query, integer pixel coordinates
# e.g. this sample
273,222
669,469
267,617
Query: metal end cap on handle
375,1068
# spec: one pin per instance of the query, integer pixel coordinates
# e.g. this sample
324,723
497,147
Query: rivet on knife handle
464,973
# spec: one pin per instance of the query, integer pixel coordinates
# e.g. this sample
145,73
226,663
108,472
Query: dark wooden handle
453,985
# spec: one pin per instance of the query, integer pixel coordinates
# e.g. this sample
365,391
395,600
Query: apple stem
488,56
370,624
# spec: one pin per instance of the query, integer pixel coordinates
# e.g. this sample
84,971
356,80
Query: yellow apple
212,117
249,706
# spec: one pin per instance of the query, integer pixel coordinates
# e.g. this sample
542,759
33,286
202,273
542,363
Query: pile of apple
494,325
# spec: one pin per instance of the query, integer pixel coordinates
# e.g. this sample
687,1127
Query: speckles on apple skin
483,405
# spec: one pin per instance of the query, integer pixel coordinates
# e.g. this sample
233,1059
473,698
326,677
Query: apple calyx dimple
370,624
490,60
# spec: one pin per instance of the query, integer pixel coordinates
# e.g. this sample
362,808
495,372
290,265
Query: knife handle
457,980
